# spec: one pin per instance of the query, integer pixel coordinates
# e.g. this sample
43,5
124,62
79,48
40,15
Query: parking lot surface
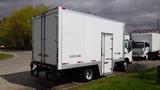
15,73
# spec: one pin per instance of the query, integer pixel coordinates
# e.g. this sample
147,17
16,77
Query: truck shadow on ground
25,79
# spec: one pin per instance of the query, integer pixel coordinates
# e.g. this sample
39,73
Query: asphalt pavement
15,73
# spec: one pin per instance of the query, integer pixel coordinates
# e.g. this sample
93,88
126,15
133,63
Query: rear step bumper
42,71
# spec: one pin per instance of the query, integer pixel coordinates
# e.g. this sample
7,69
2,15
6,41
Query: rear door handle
39,54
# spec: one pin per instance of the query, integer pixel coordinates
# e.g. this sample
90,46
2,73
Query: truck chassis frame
38,68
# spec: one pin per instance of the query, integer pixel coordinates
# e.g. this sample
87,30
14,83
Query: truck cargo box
68,39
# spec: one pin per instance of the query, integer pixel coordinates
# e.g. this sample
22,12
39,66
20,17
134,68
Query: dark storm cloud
135,13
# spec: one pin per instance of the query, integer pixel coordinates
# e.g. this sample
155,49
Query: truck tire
124,66
127,60
152,57
121,66
87,74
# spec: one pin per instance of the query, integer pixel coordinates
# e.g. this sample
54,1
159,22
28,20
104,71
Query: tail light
158,53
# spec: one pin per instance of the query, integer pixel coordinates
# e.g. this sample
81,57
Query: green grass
142,80
4,56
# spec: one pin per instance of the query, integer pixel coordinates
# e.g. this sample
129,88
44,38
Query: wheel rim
88,74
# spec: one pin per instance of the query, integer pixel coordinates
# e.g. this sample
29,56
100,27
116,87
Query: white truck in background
146,45
66,40
128,49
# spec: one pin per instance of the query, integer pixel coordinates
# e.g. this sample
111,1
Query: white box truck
146,45
69,40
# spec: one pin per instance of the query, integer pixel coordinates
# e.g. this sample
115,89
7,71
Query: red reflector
64,63
93,60
79,61
158,53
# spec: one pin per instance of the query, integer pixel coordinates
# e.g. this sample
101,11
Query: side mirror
127,45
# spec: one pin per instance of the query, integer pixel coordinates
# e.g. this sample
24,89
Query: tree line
16,29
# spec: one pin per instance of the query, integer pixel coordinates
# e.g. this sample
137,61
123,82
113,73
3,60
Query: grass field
4,56
142,80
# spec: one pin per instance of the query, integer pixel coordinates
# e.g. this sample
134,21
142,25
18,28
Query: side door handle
108,58
105,62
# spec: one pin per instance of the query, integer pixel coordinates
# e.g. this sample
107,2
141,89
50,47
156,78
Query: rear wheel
87,74
152,56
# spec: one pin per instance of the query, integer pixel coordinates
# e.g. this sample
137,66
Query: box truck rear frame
88,69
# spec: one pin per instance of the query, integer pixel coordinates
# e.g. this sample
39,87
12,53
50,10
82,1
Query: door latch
40,54
45,55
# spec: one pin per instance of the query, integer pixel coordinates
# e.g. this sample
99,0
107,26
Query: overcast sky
137,14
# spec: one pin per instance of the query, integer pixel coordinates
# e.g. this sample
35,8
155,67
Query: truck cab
140,49
128,49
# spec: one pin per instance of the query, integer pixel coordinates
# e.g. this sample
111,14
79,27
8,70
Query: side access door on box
45,38
107,52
